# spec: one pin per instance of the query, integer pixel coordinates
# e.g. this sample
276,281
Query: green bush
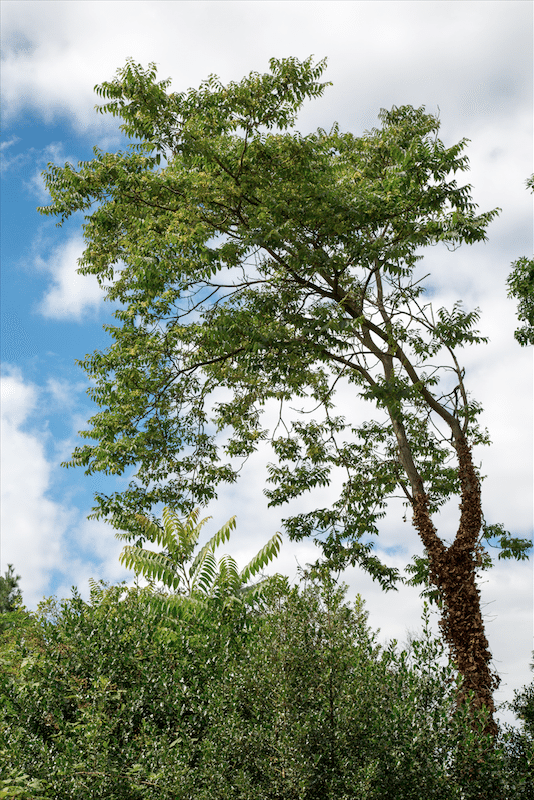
318,710
520,743
107,699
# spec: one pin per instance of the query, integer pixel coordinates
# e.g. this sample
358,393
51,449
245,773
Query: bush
295,699
318,709
520,742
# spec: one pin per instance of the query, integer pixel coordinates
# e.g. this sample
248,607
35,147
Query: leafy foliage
179,540
197,575
97,702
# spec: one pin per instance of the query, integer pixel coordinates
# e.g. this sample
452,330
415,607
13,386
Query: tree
10,594
521,287
253,265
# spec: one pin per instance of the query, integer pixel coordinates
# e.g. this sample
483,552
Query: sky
469,62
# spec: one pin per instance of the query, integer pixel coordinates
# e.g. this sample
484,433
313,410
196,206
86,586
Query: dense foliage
106,700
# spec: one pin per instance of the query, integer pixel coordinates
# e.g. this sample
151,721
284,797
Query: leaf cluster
521,287
198,576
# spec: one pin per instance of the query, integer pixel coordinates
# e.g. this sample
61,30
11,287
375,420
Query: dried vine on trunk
453,572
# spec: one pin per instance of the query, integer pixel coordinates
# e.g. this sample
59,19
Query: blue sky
471,61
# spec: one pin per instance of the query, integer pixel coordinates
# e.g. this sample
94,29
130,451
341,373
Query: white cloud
42,537
18,399
61,392
71,296
9,143
97,557
32,525
379,53
8,161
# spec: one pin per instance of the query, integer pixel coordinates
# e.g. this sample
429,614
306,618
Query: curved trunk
453,571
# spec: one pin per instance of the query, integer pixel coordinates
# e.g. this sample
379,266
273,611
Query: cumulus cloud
46,540
71,296
49,51
33,526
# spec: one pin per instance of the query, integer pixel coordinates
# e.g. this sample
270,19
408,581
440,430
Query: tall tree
252,265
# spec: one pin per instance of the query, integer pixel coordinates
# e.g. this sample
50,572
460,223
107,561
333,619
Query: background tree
10,594
521,287
252,264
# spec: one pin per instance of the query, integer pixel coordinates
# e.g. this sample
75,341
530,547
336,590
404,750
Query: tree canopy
278,266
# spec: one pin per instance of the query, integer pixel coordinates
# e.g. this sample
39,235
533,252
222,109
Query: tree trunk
453,572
